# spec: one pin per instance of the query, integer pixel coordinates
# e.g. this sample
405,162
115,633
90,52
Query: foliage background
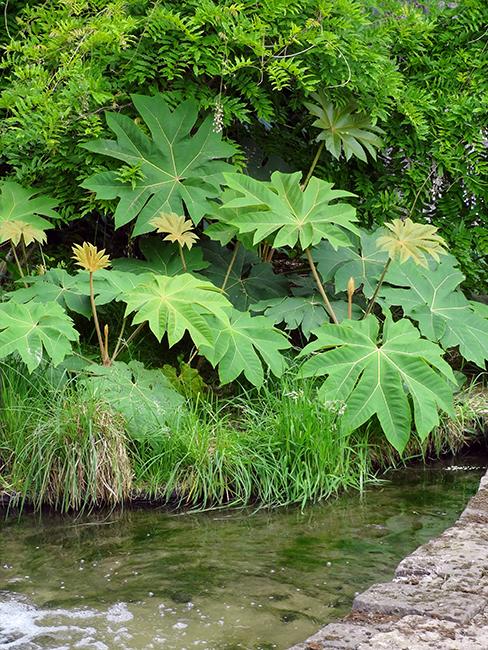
416,68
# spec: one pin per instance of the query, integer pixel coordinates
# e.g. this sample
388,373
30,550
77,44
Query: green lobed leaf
242,343
364,263
374,376
56,285
344,130
33,329
432,298
178,169
175,305
145,398
19,203
279,211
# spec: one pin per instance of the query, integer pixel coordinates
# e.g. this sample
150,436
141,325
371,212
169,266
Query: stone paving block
421,633
402,599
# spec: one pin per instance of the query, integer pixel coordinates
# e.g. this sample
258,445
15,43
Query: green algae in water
223,580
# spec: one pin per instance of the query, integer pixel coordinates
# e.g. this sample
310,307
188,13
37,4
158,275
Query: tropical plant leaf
110,285
27,205
145,398
374,377
161,258
432,298
249,280
56,285
280,211
364,263
306,313
224,229
343,129
296,312
174,305
32,329
242,343
177,170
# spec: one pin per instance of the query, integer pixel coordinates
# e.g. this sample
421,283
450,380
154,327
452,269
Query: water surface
137,580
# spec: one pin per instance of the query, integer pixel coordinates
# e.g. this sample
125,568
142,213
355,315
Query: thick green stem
95,319
320,286
17,262
231,266
182,256
376,291
312,166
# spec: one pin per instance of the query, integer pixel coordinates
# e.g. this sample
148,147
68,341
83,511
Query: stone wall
438,599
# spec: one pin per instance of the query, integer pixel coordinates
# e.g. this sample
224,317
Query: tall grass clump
59,446
274,446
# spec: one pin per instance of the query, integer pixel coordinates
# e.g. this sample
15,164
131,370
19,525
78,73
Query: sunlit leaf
432,297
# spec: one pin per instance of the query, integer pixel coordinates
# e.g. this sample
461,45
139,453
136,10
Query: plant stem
312,166
95,319
119,339
231,266
183,261
18,264
320,286
349,306
131,337
378,287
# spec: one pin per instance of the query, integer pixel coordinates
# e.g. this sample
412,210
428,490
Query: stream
223,580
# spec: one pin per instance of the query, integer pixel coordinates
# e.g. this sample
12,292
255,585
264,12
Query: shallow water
149,579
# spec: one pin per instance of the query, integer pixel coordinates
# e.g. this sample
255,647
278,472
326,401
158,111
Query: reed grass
270,447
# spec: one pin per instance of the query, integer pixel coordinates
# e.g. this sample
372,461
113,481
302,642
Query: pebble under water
142,579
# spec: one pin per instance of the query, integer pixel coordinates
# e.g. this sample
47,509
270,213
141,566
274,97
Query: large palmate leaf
32,329
174,305
249,279
176,169
302,312
241,345
374,377
363,262
432,297
26,205
223,229
56,285
343,129
145,398
279,211
162,258
112,284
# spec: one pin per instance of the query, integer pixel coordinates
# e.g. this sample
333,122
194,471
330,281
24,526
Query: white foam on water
26,627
